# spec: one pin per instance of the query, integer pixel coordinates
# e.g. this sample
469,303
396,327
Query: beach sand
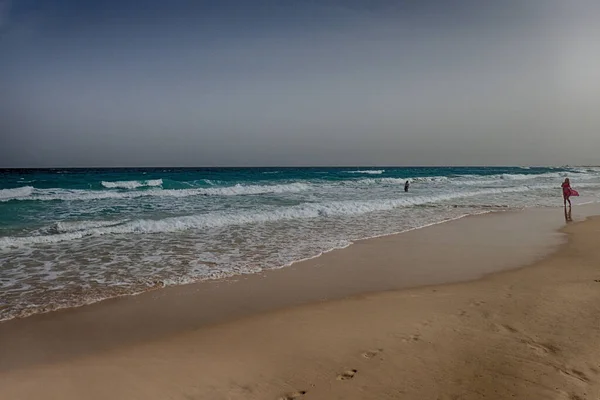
528,333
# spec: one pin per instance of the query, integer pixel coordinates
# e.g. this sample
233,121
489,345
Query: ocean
70,237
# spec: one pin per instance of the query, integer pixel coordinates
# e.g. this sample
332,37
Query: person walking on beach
406,185
568,192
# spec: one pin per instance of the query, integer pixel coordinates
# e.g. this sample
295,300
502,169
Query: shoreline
131,252
528,332
499,240
161,285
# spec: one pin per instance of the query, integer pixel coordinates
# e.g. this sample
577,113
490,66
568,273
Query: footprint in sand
505,328
371,353
573,373
568,396
596,280
474,303
347,375
414,338
542,348
293,395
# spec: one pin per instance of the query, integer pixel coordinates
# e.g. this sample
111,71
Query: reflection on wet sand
568,217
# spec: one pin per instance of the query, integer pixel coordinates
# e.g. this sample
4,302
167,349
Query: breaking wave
132,184
220,219
16,193
367,171
32,194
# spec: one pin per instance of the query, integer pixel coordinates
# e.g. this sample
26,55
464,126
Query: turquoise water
73,236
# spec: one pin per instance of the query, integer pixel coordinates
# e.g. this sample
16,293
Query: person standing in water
406,185
567,192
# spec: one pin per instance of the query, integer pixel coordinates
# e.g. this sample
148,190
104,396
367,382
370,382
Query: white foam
520,177
78,194
367,171
586,184
137,281
255,189
434,179
483,182
132,184
220,219
16,193
400,181
74,226
376,181
476,180
585,170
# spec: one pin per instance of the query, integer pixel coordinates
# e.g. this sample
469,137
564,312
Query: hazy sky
299,82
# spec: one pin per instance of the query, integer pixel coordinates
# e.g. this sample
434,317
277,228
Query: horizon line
309,166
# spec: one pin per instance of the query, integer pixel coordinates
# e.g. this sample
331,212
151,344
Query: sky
299,82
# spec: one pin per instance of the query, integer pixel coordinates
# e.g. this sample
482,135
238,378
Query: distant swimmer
406,186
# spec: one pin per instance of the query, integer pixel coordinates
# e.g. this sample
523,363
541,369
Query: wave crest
132,184
220,219
16,193
367,171
80,195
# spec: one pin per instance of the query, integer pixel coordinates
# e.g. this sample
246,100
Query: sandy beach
443,312
299,200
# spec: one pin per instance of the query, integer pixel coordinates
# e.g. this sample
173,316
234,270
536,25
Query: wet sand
530,333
